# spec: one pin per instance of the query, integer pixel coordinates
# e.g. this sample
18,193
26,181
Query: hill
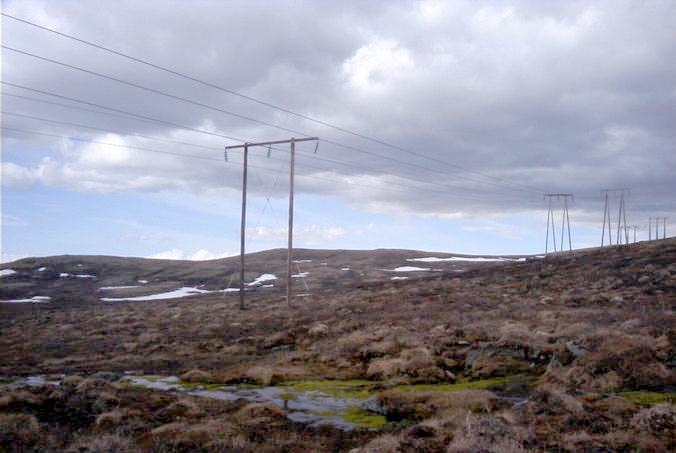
574,352
77,279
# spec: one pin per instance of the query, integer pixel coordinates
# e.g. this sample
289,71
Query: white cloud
173,254
377,65
540,95
203,255
200,255
9,257
16,176
309,235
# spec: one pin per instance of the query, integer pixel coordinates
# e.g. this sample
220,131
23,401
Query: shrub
19,432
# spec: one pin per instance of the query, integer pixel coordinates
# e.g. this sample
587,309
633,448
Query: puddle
313,403
340,404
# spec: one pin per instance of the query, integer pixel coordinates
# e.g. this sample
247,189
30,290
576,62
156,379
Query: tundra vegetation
574,352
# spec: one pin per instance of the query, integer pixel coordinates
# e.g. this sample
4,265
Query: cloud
203,255
309,235
9,257
571,97
200,255
173,254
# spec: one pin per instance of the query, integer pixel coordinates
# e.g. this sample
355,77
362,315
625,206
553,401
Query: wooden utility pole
246,147
243,228
289,259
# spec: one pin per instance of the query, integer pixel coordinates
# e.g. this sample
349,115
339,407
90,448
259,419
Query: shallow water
311,407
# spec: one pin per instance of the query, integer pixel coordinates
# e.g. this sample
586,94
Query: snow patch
6,272
84,276
301,275
434,259
263,278
302,261
408,269
34,299
344,268
142,281
175,294
64,274
42,269
399,278
108,288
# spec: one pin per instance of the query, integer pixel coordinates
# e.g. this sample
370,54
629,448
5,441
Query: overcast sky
463,114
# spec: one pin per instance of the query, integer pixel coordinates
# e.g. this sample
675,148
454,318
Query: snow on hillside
175,294
34,299
434,259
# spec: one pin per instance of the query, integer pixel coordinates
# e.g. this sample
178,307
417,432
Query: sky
441,123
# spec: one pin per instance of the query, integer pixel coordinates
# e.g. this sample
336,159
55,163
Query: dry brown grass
602,320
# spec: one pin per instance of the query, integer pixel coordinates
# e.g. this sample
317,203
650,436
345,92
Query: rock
575,350
661,275
450,376
438,330
372,405
554,363
107,376
616,299
659,419
318,330
196,376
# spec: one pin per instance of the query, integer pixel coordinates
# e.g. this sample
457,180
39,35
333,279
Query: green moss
288,396
363,419
357,389
645,398
192,385
249,386
465,384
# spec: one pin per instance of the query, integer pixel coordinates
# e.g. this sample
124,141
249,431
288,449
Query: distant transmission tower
622,217
634,227
565,222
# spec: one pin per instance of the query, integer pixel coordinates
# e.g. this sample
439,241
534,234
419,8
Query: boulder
318,330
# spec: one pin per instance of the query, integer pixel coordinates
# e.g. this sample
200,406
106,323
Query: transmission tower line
258,101
565,220
313,156
634,227
622,216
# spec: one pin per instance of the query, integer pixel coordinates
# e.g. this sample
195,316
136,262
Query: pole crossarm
274,142
559,195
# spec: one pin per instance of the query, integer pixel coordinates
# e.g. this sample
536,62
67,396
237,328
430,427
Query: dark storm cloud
567,97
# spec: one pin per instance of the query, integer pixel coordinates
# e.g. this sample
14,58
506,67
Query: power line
133,134
152,90
140,148
218,109
320,178
146,118
261,102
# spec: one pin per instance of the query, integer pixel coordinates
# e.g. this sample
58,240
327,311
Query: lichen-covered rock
318,330
197,376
